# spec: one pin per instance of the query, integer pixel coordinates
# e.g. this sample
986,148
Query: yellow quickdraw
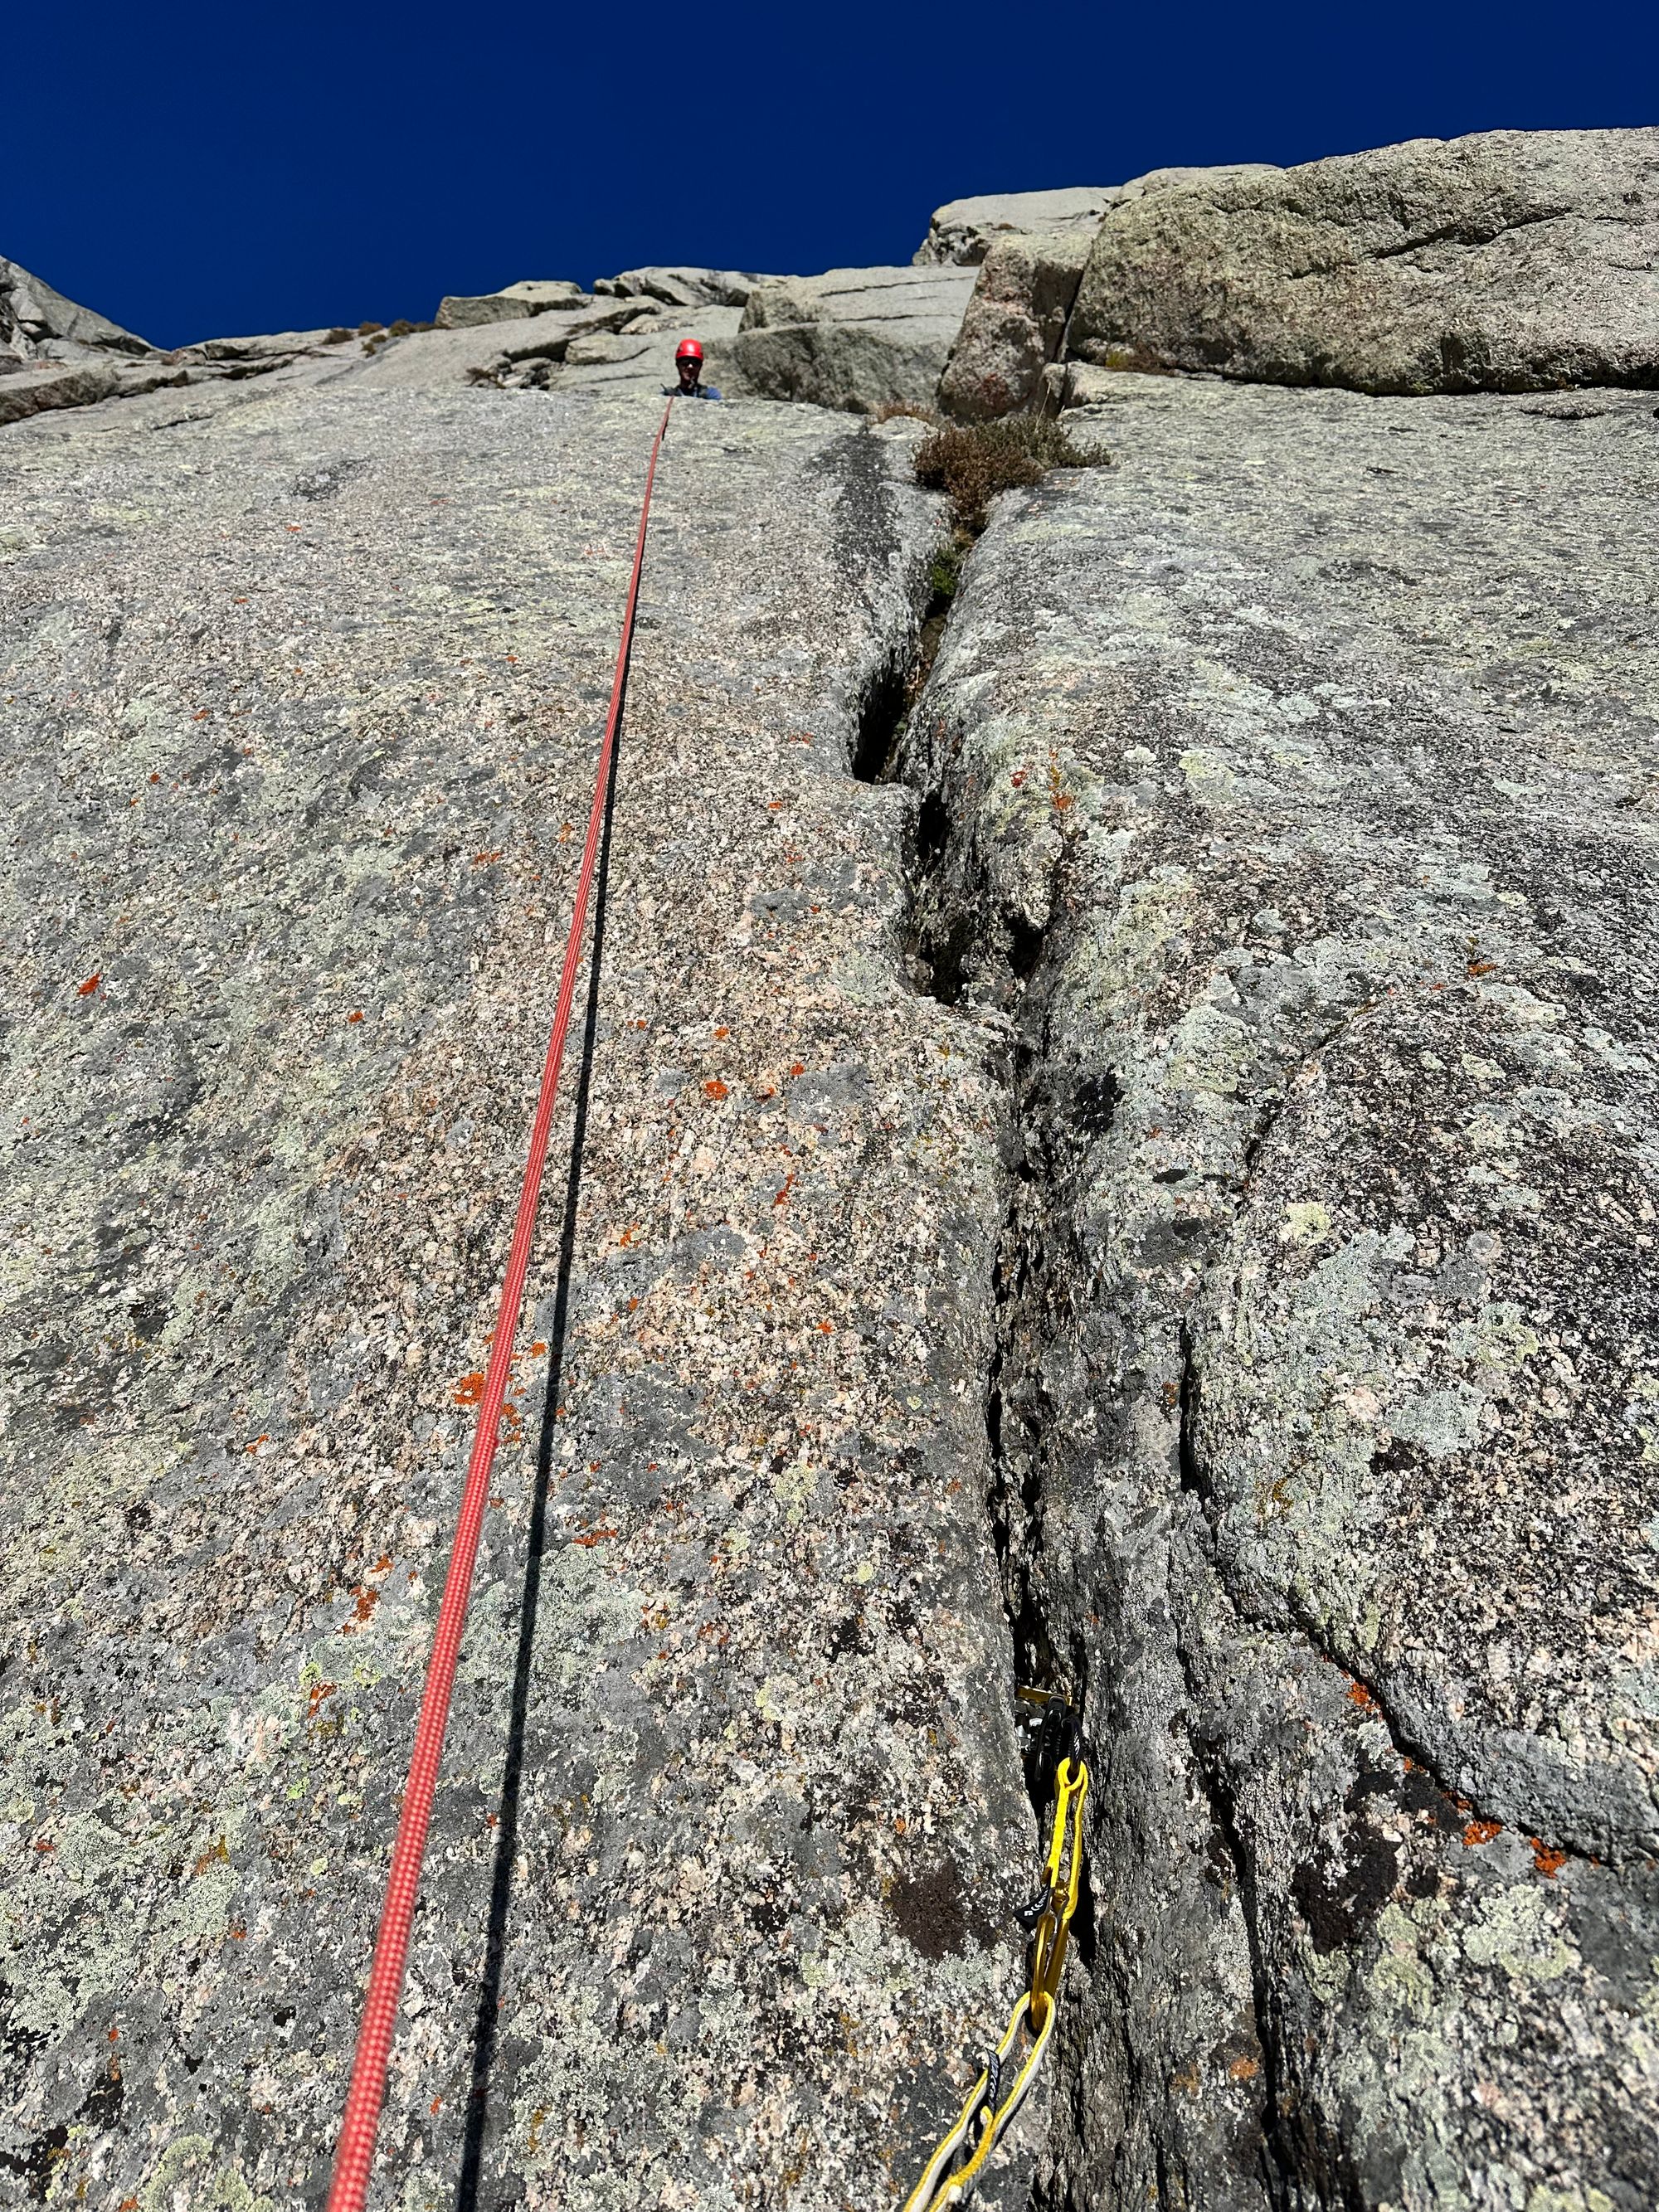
1004,2081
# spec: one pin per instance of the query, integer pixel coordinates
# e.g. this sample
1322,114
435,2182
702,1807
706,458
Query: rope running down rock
354,2159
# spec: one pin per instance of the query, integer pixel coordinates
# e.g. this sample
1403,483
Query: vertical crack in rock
943,924
1117,2132
954,959
1303,2163
1313,1323
891,695
1194,1481
1302,1359
881,722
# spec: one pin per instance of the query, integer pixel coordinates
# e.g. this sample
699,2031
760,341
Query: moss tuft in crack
944,575
972,463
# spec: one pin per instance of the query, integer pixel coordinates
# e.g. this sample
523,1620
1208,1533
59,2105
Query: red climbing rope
360,2123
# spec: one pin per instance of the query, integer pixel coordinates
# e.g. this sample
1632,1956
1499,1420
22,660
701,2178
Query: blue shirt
699,390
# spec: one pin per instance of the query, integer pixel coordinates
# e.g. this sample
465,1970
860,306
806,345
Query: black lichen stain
849,1637
1340,1901
930,1910
1397,1457
102,2107
1094,1105
1340,1893
35,2164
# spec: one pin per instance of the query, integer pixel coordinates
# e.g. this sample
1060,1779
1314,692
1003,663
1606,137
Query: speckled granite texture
1158,1197
302,690
1296,781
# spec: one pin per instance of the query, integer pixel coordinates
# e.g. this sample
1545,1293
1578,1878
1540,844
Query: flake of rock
1505,261
272,345
860,339
1295,766
512,303
38,323
31,389
1014,325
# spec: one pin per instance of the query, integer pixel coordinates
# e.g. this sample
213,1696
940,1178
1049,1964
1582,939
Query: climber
688,362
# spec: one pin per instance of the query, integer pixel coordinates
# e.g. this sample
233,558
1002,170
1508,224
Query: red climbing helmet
688,349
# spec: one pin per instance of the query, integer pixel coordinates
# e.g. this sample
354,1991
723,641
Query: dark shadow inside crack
1194,1478
885,713
1304,2162
881,723
1025,943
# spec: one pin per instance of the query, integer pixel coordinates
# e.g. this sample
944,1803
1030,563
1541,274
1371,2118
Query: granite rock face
537,351
962,232
683,288
1163,180
1015,325
640,357
860,339
1299,774
512,303
298,737
1508,261
1110,1142
54,354
36,324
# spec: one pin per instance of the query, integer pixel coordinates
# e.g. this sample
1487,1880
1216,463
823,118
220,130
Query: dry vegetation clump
376,335
973,463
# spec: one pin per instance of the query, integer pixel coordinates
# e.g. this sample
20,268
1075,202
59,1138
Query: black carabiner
1057,1738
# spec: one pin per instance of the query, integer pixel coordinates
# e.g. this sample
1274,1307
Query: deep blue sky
197,171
